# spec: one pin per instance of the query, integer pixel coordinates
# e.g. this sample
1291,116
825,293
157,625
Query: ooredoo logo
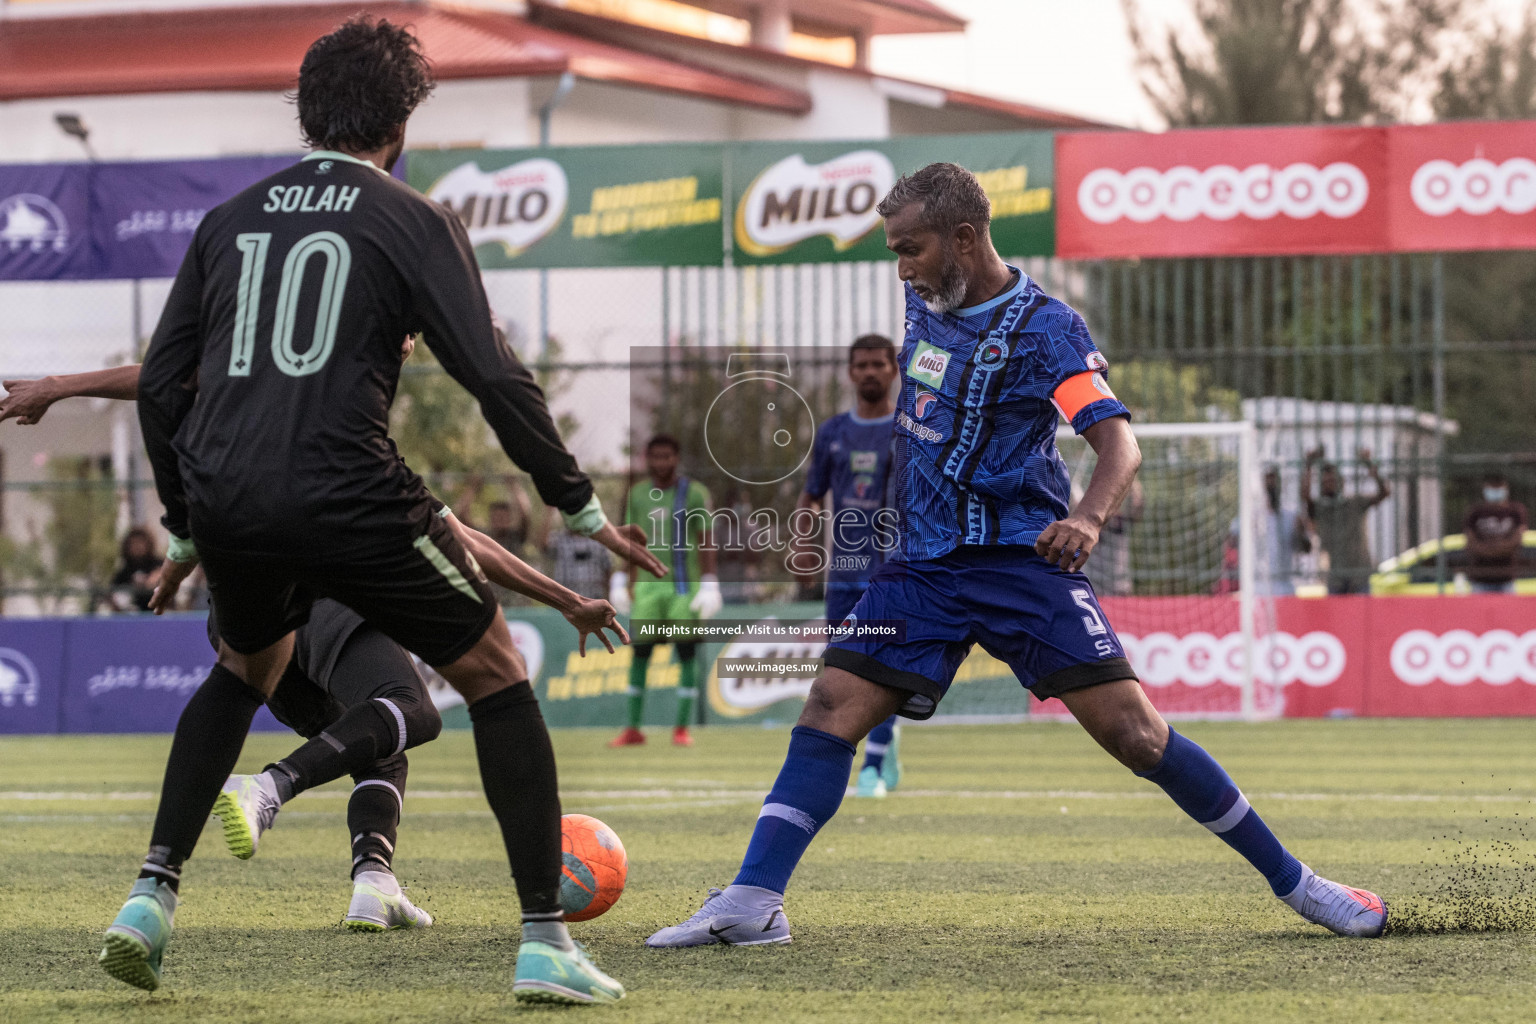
1260,192
1200,659
1459,657
1440,187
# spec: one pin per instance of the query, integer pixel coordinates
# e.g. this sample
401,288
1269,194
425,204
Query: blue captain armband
588,521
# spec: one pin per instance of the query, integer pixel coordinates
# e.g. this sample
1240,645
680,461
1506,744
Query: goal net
1183,571
1183,575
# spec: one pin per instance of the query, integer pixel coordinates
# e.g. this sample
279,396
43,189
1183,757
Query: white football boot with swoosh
747,916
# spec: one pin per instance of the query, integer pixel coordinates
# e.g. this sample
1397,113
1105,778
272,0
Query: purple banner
31,676
45,222
143,214
112,221
131,674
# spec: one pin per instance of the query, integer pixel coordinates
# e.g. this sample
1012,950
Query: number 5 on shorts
1093,622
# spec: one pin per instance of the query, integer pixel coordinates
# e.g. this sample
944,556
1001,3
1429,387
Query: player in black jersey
340,663
264,402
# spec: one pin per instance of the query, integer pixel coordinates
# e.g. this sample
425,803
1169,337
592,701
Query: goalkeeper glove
706,604
618,593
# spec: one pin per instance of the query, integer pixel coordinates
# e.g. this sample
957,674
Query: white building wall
164,126
599,114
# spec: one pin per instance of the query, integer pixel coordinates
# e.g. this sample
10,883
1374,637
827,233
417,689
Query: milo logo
928,363
792,201
513,207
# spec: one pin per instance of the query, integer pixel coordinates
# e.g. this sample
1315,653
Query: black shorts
430,597
369,665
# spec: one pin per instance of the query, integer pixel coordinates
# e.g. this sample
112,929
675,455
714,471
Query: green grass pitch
1018,875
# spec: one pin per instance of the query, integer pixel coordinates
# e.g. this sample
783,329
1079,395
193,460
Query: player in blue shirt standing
852,460
989,554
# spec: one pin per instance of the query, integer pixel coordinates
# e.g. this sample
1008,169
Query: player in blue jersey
852,459
989,554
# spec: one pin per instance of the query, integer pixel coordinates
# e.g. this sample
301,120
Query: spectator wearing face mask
1494,527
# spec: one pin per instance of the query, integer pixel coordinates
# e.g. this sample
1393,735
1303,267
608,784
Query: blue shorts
841,597
1044,623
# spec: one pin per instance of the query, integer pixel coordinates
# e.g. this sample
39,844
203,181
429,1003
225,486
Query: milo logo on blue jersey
928,363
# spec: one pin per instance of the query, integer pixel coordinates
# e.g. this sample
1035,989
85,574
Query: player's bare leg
1121,719
517,768
841,710
207,743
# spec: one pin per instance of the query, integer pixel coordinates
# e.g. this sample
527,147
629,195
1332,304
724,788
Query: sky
1069,55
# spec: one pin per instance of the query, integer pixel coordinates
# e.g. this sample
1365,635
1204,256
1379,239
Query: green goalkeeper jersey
665,515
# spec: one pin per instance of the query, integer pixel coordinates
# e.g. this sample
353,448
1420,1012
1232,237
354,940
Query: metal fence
1346,353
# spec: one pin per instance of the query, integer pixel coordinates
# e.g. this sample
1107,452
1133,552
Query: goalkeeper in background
850,470
674,513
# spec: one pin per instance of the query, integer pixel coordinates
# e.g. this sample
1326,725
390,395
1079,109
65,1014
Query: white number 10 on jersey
333,286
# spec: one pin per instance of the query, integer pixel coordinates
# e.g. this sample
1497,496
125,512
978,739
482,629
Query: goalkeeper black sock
517,768
209,735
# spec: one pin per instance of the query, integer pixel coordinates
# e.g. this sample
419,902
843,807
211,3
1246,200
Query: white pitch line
737,794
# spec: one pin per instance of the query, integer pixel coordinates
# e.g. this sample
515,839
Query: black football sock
370,731
209,735
517,768
373,814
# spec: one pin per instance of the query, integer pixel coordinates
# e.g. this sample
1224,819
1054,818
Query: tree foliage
1296,61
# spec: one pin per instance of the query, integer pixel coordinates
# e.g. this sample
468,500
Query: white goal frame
1250,483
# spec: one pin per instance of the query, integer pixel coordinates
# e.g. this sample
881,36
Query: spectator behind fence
1495,528
139,570
580,563
509,522
1340,522
1285,537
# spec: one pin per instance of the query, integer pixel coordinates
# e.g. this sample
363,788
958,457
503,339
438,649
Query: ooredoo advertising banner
816,202
1392,657
588,206
1467,185
1228,192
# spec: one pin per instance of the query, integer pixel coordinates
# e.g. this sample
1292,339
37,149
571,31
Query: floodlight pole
563,89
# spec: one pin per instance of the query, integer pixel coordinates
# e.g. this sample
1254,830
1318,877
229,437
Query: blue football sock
1205,792
804,797
878,742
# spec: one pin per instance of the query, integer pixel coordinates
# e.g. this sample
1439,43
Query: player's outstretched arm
628,542
27,400
1069,542
506,569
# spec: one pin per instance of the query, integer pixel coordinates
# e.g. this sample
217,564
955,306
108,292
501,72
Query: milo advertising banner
587,206
591,691
815,202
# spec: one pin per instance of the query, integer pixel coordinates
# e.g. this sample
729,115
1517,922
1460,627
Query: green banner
591,690
581,206
815,202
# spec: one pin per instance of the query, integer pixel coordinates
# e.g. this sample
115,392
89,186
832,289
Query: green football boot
890,768
548,974
871,785
136,940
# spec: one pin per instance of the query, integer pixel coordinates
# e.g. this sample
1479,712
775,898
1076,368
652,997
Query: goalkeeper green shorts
659,599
